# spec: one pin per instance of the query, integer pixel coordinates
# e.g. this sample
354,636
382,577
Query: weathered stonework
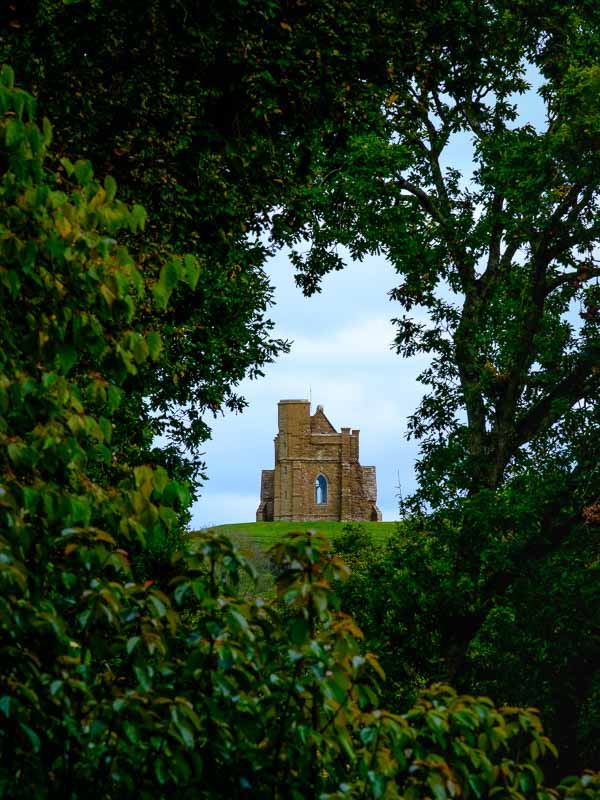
317,475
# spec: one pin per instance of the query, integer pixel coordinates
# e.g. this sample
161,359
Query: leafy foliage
514,628
131,688
499,259
71,509
201,111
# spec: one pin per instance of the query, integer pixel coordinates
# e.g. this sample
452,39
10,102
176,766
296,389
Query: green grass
264,534
255,538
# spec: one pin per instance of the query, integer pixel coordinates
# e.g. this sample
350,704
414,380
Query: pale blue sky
342,357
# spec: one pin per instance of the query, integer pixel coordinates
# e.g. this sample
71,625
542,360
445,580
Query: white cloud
366,338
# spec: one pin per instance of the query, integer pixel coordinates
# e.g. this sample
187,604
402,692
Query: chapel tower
317,474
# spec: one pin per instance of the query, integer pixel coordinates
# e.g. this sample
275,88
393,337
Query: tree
498,259
200,111
306,135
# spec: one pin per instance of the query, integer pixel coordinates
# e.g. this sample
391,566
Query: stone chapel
317,474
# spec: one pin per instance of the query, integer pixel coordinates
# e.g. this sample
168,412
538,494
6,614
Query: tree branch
583,273
557,225
473,123
425,200
581,382
437,140
489,277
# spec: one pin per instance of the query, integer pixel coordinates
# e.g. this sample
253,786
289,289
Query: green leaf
160,479
240,619
192,270
344,741
35,139
132,643
33,737
161,771
28,255
30,499
83,171
175,491
155,345
368,735
14,132
19,103
68,165
115,397
66,357
7,76
185,732
5,702
144,476
131,731
140,349
106,428
138,218
10,279
170,275
110,187
378,784
437,786
21,455
143,677
161,296
47,131
158,605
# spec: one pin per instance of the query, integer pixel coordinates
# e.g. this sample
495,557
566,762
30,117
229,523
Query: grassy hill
255,538
264,534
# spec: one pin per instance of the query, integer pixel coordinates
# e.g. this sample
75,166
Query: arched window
321,490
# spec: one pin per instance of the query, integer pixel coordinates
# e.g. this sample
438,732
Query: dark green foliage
521,626
114,687
210,114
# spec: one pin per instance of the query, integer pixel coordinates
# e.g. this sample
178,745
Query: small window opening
321,490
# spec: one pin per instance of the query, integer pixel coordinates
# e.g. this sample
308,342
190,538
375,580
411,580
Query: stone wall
307,447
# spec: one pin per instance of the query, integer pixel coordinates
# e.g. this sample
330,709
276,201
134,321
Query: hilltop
255,539
265,534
